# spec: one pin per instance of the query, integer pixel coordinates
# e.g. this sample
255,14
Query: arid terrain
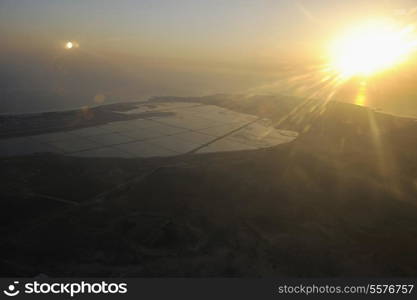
340,200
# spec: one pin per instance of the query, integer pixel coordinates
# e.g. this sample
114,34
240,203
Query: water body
166,129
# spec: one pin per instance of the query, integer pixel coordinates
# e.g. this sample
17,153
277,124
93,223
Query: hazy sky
139,48
230,29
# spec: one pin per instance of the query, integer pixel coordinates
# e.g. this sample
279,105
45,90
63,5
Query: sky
249,40
183,28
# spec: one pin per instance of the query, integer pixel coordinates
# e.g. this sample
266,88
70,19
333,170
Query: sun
370,48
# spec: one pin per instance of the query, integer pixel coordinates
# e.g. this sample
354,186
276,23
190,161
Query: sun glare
69,45
371,48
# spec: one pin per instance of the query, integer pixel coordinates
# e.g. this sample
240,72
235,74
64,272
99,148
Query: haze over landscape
132,50
198,138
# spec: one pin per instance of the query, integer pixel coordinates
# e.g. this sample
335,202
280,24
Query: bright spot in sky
371,48
69,45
